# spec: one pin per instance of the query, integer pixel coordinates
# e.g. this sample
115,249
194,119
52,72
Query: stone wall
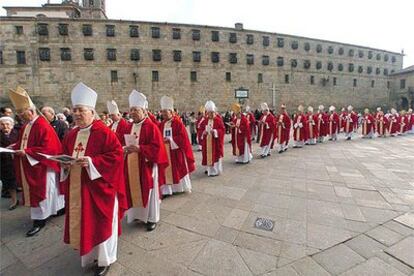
51,81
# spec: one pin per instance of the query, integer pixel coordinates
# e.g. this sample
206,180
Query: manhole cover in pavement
264,224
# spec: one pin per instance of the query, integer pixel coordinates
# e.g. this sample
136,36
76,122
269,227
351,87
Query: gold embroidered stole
262,127
298,129
365,127
23,146
279,129
75,189
209,143
347,123
311,127
381,125
236,130
168,171
134,170
330,124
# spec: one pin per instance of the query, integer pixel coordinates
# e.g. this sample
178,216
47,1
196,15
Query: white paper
32,161
6,150
131,140
59,158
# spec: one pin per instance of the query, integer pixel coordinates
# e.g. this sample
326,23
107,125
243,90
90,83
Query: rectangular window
133,31
260,78
65,54
233,58
388,84
1,57
155,76
156,55
196,34
196,56
44,54
110,30
249,39
265,60
111,54
250,59
114,76
372,83
280,42
21,57
215,36
63,29
266,41
135,54
215,57
177,55
402,84
312,80
233,38
88,53
19,30
87,29
228,76
355,83
334,81
193,76
42,29
286,78
155,32
176,33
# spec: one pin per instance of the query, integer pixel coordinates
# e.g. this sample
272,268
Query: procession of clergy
126,168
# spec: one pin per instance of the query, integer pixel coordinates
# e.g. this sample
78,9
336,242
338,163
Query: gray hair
7,119
49,109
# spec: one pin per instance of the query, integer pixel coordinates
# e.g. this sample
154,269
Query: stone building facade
191,63
402,87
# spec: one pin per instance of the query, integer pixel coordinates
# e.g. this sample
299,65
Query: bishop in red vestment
333,124
200,119
381,124
283,125
299,132
37,175
267,129
212,140
119,124
311,127
145,163
181,160
351,123
240,136
94,184
322,124
368,123
252,122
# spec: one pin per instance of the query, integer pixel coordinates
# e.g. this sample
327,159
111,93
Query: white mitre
112,107
210,106
167,103
137,99
83,95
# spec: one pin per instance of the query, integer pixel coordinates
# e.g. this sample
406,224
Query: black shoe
280,151
262,156
268,154
101,270
59,213
14,206
34,231
349,138
151,226
205,172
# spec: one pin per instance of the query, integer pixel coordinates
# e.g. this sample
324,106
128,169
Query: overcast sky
380,24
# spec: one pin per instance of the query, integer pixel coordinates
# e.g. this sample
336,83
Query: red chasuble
39,137
266,129
382,124
299,133
138,166
199,122
311,126
90,203
153,119
333,123
367,124
351,122
213,146
322,124
120,129
180,160
240,134
283,124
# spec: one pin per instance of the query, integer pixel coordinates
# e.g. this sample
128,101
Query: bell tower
95,8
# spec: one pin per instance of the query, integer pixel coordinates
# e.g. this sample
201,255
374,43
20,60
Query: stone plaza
338,208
